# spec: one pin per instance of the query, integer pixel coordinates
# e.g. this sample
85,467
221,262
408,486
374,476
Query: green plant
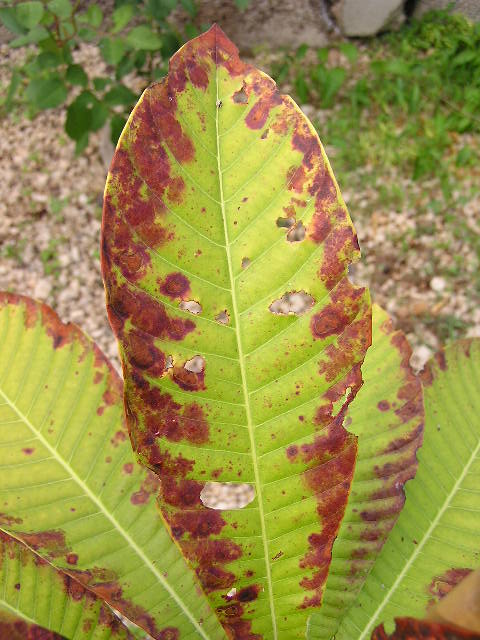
136,38
242,342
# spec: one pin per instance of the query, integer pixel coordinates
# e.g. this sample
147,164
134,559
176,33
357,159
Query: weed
49,258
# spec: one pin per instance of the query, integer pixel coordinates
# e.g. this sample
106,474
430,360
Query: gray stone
469,8
289,23
368,17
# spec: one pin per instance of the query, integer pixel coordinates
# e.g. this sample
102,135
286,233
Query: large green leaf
39,594
219,206
69,486
387,416
435,542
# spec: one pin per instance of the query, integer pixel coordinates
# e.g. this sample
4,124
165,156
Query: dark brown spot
175,285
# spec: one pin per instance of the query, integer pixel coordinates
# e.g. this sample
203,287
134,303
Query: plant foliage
225,249
137,38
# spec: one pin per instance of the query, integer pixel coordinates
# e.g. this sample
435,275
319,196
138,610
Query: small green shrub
136,38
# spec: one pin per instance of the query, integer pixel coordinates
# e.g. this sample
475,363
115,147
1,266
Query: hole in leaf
191,305
168,362
292,302
232,593
296,233
240,96
195,364
223,317
245,262
227,495
285,223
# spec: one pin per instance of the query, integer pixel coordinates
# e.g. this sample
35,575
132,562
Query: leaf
29,14
60,8
116,127
15,81
142,37
387,416
84,505
121,17
94,16
160,9
190,7
119,95
37,34
14,628
220,204
409,628
39,594
79,119
76,75
86,113
349,50
100,83
112,50
460,606
46,93
9,19
435,541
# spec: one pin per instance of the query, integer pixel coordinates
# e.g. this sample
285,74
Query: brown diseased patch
145,313
443,584
410,629
259,113
104,584
16,629
61,334
165,418
175,285
150,487
191,375
340,248
331,484
346,303
50,543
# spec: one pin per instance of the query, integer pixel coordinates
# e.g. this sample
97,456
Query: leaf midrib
418,548
241,359
118,527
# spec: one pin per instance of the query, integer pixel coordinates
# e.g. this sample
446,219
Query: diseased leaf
14,628
73,492
41,595
221,202
434,544
460,605
388,417
409,628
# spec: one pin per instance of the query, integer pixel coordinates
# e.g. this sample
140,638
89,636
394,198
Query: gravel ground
50,216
